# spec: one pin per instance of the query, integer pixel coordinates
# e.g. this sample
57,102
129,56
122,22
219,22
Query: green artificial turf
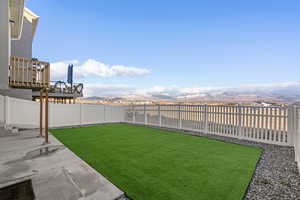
148,163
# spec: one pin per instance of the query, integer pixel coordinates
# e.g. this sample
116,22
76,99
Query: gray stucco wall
23,47
17,93
4,44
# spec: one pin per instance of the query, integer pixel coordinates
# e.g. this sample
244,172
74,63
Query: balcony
28,73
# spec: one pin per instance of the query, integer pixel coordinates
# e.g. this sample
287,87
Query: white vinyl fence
262,124
21,113
2,110
273,125
83,114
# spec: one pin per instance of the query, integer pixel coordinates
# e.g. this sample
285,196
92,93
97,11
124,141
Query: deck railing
61,87
28,73
261,124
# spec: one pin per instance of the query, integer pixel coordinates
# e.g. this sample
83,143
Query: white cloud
93,68
58,70
107,90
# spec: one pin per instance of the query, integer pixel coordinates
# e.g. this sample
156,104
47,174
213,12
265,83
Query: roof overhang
32,18
16,8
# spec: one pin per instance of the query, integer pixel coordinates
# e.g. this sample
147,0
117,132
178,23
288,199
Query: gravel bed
276,176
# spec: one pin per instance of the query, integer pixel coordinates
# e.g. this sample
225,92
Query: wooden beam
41,113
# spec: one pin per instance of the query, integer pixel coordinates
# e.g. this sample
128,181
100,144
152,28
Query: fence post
2,124
104,113
145,114
297,138
292,125
293,128
133,111
240,134
80,112
7,112
205,119
159,114
125,110
179,117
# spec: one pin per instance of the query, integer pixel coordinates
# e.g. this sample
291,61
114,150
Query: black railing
66,88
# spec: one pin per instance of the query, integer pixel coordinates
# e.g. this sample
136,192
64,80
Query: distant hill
277,93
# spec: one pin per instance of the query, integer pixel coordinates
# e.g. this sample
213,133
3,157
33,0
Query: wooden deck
28,73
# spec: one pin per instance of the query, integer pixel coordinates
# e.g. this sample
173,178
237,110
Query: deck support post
41,112
44,115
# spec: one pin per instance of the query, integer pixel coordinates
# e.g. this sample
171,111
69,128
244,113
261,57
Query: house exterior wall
20,48
17,93
23,47
4,43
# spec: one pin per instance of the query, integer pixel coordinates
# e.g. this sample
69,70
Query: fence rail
262,124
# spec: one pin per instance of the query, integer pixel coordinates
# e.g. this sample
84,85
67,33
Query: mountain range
288,92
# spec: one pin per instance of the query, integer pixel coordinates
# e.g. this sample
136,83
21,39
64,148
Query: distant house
266,104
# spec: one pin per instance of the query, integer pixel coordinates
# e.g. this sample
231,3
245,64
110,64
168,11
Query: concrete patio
55,171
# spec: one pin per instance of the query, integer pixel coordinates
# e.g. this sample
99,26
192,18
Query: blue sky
182,44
